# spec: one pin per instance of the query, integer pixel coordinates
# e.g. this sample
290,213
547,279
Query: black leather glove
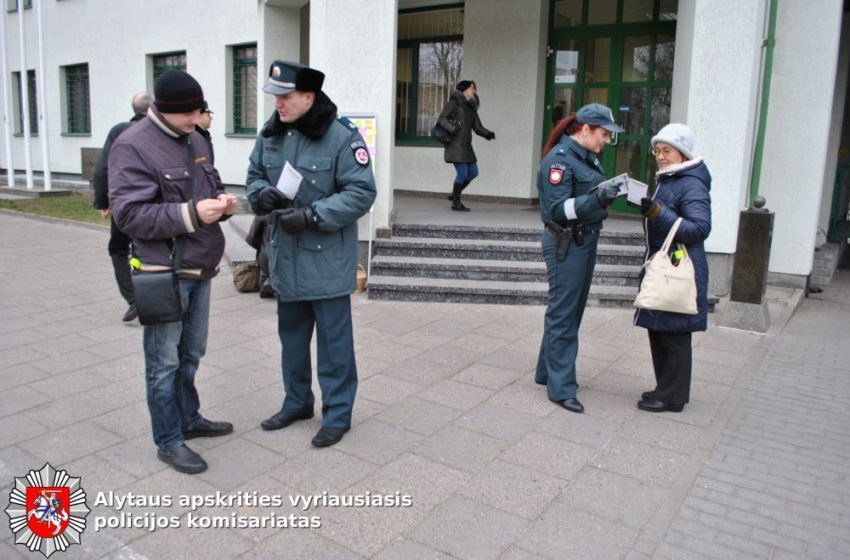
649,208
607,194
268,200
491,136
296,220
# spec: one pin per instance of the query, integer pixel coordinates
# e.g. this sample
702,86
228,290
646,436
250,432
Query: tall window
245,89
12,5
77,99
162,63
33,107
430,53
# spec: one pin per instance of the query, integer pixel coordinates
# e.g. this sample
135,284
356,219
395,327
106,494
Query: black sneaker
182,459
266,290
208,428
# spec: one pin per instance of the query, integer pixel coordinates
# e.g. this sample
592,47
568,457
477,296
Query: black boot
451,197
456,205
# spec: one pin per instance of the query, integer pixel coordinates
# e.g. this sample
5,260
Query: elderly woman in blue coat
682,191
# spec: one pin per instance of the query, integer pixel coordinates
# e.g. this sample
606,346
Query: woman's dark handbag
157,297
440,134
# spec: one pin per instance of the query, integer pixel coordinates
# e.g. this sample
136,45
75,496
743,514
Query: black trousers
119,250
671,359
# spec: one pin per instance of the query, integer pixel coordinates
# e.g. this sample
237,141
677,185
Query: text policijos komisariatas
243,502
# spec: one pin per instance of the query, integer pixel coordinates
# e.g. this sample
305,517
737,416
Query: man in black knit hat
165,191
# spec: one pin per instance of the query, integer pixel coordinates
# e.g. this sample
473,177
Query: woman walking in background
572,213
682,192
460,118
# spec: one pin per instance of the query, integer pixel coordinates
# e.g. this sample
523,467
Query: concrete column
797,146
834,142
354,43
715,88
504,46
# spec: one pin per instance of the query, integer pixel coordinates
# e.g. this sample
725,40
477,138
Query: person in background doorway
572,212
203,128
119,242
460,118
683,185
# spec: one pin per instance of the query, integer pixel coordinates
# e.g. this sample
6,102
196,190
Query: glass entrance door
618,53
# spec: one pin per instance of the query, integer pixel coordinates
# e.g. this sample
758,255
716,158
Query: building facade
762,82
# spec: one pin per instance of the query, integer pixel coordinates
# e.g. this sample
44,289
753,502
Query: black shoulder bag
157,294
440,134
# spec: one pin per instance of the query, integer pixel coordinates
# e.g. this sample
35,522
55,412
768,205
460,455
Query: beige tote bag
665,286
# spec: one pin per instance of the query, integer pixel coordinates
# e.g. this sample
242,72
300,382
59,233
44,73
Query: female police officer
572,213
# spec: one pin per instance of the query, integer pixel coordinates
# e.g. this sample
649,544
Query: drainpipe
767,70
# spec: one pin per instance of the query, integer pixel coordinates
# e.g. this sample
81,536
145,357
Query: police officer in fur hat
310,171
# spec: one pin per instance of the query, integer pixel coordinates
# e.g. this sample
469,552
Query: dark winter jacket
338,184
460,118
149,187
683,191
101,172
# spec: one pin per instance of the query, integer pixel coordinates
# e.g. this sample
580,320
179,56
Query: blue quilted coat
683,191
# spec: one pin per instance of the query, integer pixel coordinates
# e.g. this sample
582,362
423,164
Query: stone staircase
481,264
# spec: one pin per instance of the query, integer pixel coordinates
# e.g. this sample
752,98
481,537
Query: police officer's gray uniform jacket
565,178
321,262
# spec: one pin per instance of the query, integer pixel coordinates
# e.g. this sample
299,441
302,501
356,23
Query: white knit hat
679,136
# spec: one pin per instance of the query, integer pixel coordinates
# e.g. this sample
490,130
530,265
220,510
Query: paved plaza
454,452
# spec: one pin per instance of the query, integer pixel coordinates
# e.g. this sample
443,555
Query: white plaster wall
797,138
715,87
114,38
354,43
281,33
503,51
834,142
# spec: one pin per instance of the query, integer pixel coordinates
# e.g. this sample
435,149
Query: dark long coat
682,191
460,118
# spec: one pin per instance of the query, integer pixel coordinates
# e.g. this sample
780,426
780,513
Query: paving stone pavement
447,413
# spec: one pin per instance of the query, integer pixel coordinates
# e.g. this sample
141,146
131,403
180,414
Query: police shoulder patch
361,153
556,172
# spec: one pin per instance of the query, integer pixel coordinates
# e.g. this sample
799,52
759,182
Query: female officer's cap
598,115
286,77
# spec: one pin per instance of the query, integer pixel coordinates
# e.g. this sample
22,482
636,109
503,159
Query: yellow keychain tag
136,263
678,254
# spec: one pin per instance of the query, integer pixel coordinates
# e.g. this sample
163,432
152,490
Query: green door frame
617,33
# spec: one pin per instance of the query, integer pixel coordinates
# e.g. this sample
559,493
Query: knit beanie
177,92
679,136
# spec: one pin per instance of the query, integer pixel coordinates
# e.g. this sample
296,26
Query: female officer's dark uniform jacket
338,184
460,118
567,172
683,191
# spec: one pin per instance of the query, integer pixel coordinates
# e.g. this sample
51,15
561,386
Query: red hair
567,126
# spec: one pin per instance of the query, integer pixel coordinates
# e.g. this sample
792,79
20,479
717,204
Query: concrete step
494,250
399,288
502,233
498,270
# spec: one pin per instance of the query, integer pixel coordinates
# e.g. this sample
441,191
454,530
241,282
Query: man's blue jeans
173,352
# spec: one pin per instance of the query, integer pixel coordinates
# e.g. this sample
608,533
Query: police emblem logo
361,156
556,173
276,72
47,510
